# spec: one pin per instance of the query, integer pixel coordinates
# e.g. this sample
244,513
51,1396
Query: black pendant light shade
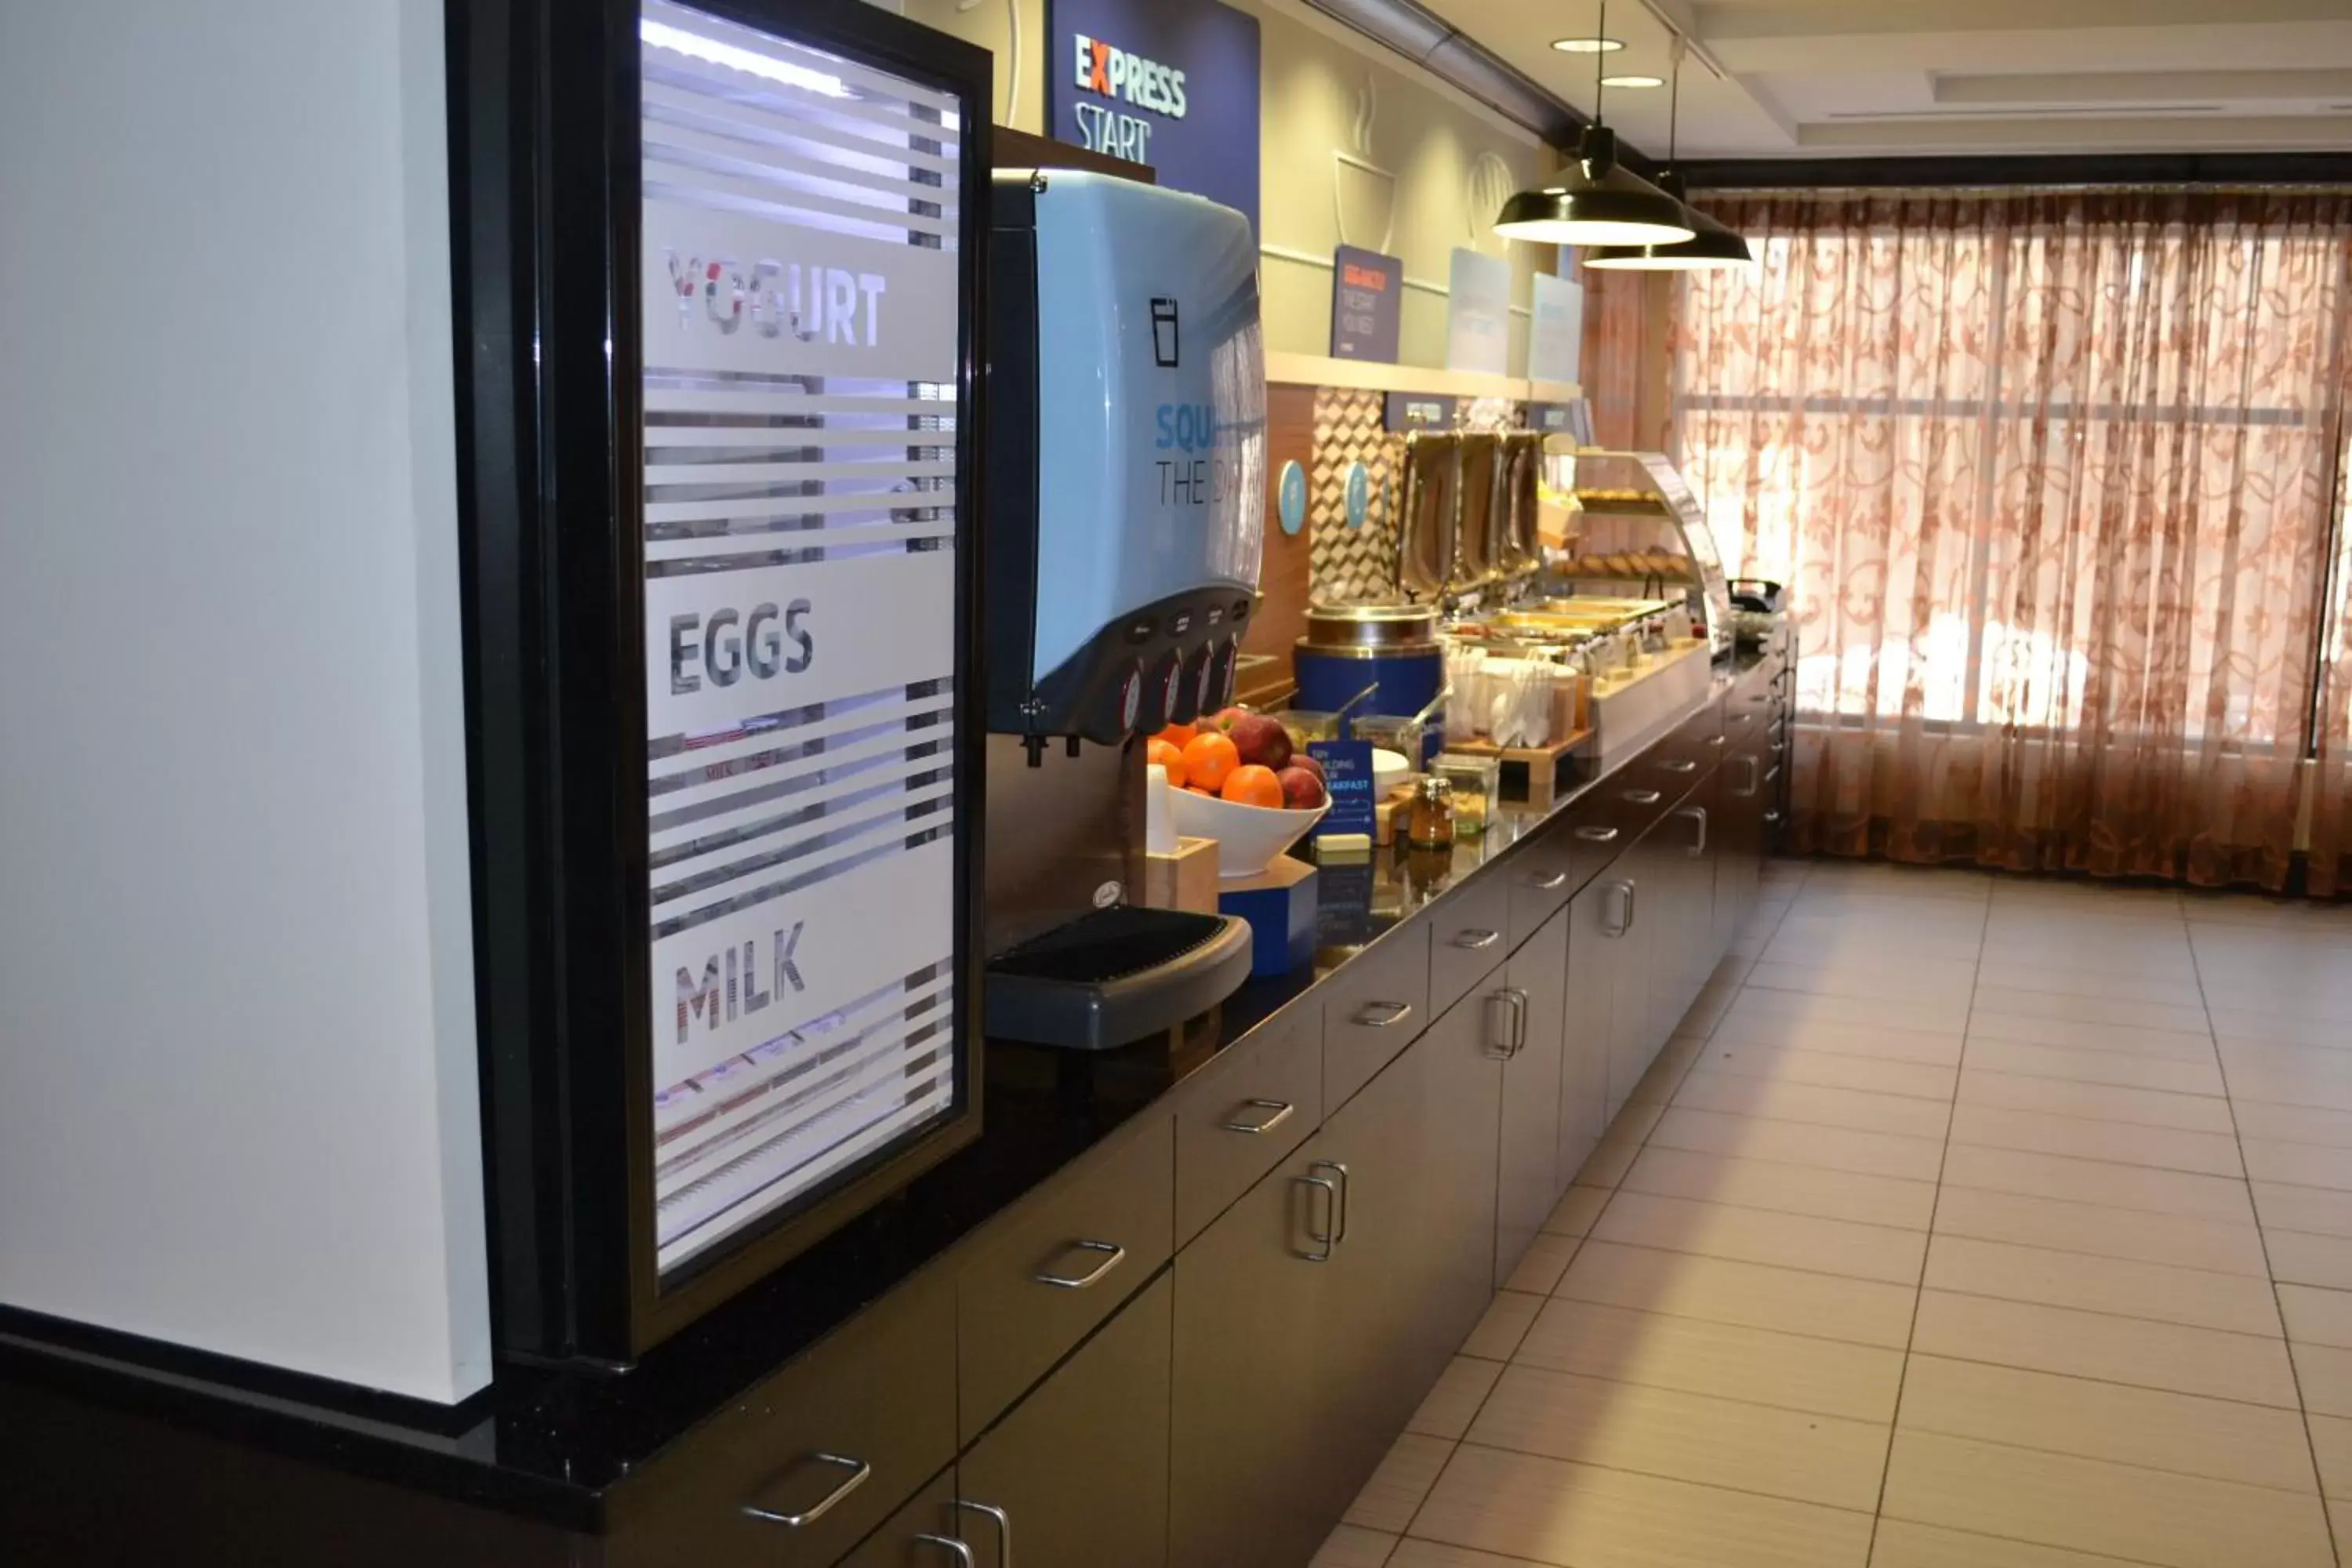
1596,202
1711,245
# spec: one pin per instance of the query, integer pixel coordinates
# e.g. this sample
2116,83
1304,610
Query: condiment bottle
1430,824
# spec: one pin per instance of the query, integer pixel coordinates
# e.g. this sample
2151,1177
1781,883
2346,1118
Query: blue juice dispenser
1126,445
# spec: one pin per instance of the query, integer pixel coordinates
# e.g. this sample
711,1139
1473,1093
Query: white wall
238,1103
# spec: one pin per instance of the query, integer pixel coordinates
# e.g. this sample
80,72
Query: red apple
1301,791
1261,741
1226,718
1312,764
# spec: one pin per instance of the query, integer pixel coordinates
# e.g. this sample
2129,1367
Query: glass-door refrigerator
718,285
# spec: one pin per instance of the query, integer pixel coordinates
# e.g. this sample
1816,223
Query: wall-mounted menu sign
1367,304
1478,313
1153,81
802,347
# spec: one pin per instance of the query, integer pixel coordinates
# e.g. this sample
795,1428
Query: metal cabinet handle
859,1470
1114,1253
1384,1015
1643,796
1763,696
1004,1529
1501,1030
1779,747
1773,774
1518,1001
1472,940
1547,884
1339,1220
1683,765
1717,739
1771,819
1281,1109
1698,813
1597,835
1618,926
950,1543
1322,1239
1755,777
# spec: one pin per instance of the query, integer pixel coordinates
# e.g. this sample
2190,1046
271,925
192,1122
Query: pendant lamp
1710,245
1596,202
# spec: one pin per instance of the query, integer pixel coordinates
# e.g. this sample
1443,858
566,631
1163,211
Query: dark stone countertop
553,1444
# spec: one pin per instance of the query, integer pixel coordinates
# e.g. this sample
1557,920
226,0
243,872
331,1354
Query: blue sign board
1347,779
1290,497
1367,304
1153,81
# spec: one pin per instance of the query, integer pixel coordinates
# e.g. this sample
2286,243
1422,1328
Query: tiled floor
1970,1222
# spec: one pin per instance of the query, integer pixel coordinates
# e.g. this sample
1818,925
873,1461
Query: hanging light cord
1674,105
1599,71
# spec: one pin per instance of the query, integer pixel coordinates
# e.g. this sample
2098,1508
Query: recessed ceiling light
1588,46
1633,81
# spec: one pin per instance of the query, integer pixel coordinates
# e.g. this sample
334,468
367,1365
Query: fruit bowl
1249,838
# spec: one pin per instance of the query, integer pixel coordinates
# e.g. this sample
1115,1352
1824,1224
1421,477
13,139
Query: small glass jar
1477,790
1430,823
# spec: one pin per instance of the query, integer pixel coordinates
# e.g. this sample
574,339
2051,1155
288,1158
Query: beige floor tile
1944,980
2289,1075
2245,1026
1437,1554
1610,1160
2288,915
1557,1511
2012,1002
1789,1189
1450,1406
1810,1008
1689,1437
2298,1165
2229,1246
2299,1257
1843,942
2157,957
1792,1372
2221,1439
2174,989
2279,1004
1506,1320
1540,1268
1707,1009
1575,1211
1762,1235
1872,1040
1398,1487
2320,1211
2071,892
2326,1375
2171,1075
2134,1350
2095,1102
2126,1288
2105,1182
2292,1123
2316,1317
2331,1447
1799,1143
2081,1035
1830,1070
2161,1147
1656,1086
1734,1095
1877,906
1352,1546
1752,1295
1903,1544
2090,1505
1958,882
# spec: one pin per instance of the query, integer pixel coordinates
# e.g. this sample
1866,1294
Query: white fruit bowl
1249,838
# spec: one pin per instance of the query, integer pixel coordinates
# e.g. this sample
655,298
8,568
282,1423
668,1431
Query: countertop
552,1444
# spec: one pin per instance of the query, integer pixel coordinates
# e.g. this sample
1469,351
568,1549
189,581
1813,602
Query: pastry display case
1641,532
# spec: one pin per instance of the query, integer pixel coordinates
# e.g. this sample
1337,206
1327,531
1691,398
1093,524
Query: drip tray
1115,976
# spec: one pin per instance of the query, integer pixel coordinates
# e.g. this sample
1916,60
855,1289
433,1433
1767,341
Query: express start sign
1174,85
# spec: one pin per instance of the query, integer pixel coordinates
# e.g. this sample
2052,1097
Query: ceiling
1782,78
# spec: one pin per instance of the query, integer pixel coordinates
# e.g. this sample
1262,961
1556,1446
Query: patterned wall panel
1353,565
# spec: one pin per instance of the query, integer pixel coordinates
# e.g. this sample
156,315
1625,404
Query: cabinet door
1639,902
1413,1265
1682,950
1250,1478
1078,1472
1534,997
1597,945
928,1532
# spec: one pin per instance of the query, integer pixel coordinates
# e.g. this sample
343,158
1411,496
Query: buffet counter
1171,1307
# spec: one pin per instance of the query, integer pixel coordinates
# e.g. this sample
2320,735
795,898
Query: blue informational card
1348,777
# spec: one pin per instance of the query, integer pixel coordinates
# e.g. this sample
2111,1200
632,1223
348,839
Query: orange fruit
1208,759
1250,785
1179,735
1196,789
1169,756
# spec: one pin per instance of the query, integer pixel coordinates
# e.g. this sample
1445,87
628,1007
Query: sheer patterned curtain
2054,478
